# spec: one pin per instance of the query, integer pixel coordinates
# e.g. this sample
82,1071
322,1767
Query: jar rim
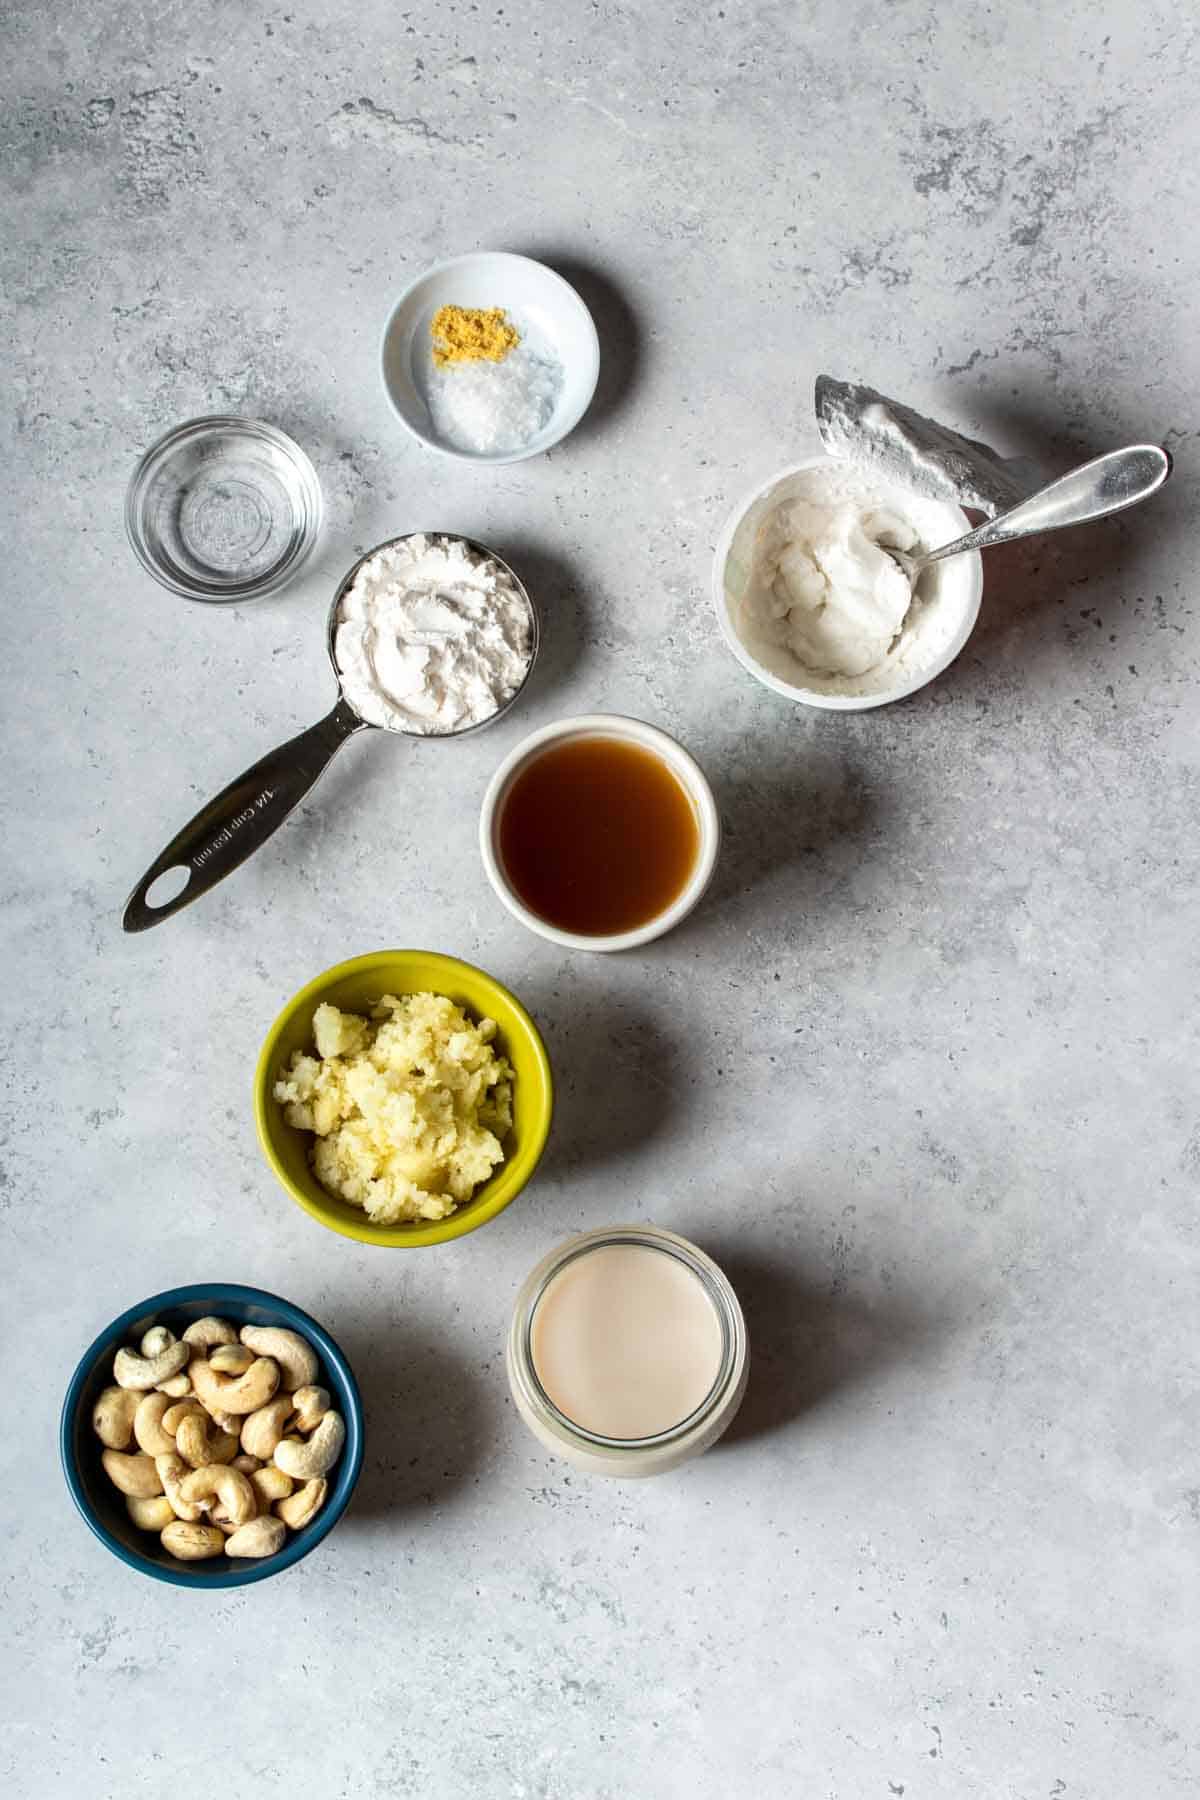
716,1286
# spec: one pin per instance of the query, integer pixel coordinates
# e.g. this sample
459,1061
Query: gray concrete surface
922,1073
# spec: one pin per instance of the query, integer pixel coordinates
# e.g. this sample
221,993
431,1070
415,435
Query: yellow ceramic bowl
355,986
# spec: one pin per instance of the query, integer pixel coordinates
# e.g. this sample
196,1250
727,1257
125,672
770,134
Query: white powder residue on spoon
432,637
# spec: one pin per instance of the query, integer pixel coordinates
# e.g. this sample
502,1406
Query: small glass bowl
223,509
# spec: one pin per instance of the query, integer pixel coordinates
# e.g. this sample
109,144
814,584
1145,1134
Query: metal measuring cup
245,814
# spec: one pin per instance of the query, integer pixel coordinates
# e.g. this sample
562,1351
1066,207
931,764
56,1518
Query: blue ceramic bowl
103,1508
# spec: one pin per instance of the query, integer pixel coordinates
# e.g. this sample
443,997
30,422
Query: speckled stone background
922,1073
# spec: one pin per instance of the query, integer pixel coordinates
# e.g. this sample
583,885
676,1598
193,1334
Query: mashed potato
409,1112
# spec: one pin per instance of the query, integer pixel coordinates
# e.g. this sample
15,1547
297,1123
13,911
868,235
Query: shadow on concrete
810,1343
795,827
425,1425
562,614
355,482
1030,586
618,328
620,1080
788,813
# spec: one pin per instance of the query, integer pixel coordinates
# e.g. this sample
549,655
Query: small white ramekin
490,278
963,573
632,731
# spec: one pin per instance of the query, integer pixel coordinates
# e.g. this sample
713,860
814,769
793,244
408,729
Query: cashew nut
112,1417
148,1427
295,1355
177,1386
144,1372
261,1537
236,1394
316,1457
221,1519
192,1543
311,1403
171,1471
270,1484
304,1505
213,1472
204,1333
134,1475
227,1487
151,1514
201,1443
180,1410
219,1516
264,1428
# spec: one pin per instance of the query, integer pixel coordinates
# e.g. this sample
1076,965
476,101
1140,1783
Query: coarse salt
492,408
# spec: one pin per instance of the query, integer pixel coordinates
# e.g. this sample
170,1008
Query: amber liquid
598,836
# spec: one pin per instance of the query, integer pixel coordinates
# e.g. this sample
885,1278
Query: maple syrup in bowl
599,833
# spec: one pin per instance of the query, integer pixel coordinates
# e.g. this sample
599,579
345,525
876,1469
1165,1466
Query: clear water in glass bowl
223,509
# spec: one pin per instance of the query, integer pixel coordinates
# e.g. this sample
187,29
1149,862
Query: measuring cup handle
241,818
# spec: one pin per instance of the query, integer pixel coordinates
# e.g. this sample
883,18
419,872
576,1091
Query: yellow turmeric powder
464,334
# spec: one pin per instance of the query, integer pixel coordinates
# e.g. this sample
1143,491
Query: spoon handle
1106,485
241,818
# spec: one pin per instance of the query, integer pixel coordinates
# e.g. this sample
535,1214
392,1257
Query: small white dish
632,731
528,291
958,591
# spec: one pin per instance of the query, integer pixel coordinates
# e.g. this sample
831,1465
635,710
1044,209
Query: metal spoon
246,813
1106,485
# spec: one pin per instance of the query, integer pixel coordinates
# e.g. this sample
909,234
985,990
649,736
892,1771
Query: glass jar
632,1456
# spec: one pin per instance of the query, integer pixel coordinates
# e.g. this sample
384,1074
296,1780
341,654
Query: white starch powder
432,636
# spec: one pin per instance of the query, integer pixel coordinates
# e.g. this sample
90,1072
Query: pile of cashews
234,1439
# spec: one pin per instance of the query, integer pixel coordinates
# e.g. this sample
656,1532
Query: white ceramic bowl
633,731
959,588
526,289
